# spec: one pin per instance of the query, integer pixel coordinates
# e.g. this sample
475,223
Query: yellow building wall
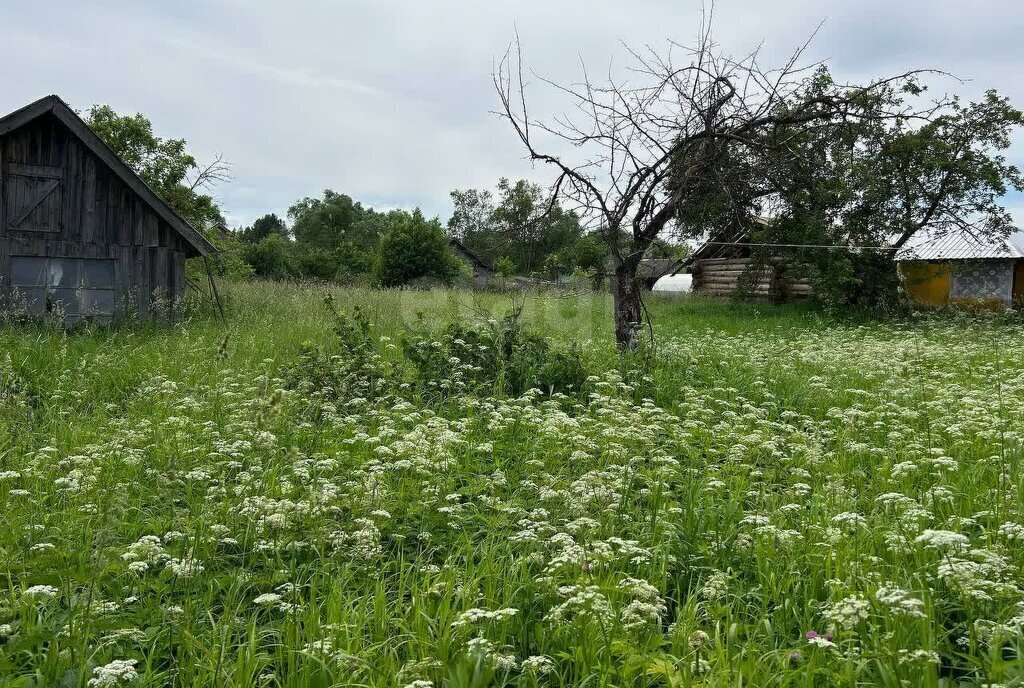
928,283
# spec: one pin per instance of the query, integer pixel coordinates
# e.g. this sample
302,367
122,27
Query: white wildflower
117,672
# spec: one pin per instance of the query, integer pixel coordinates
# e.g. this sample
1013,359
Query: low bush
493,357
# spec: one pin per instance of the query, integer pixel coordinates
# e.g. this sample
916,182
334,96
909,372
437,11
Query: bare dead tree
632,149
216,172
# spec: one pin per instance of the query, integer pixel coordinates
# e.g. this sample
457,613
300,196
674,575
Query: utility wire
846,247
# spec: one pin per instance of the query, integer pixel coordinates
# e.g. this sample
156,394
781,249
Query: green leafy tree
164,164
633,152
523,225
262,228
413,247
272,258
354,261
326,223
316,263
589,254
871,182
472,222
534,227
948,175
229,261
663,248
504,267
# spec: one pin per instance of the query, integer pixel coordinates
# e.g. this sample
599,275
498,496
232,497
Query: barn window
79,287
32,195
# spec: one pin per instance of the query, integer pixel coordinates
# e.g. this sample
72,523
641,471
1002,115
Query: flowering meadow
313,495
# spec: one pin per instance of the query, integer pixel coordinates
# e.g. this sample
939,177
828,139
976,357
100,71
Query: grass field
770,497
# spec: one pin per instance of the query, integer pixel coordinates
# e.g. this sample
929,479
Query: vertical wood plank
177,277
113,199
88,200
151,231
69,230
5,271
138,218
3,190
123,303
140,259
158,279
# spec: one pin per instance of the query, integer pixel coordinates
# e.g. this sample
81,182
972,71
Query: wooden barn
80,233
725,266
482,271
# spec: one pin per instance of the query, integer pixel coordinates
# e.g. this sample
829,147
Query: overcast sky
391,102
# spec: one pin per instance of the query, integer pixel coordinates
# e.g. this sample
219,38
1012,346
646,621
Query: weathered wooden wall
90,213
724,276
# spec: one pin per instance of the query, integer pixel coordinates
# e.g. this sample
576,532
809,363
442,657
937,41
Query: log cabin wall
724,276
66,215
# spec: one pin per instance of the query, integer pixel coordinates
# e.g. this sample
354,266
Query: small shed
958,269
482,271
80,233
725,265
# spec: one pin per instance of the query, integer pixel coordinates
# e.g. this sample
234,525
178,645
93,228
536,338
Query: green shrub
505,267
272,258
411,248
352,369
498,356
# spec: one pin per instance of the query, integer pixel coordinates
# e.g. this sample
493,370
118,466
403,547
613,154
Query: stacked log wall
725,276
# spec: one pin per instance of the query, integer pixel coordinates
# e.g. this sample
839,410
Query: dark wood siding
90,213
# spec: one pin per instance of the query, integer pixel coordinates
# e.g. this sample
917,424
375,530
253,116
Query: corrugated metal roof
960,246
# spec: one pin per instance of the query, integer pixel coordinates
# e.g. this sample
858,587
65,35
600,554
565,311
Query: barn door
32,198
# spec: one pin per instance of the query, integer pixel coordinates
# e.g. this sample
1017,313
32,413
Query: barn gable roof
727,242
473,258
70,119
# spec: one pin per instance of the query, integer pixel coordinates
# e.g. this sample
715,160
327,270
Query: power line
846,247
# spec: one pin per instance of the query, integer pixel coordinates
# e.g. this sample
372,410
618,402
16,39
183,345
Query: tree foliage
524,224
875,181
413,247
263,227
333,220
165,165
694,123
272,258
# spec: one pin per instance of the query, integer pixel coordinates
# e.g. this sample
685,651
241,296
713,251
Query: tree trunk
626,298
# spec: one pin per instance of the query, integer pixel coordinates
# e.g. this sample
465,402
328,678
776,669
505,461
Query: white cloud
391,101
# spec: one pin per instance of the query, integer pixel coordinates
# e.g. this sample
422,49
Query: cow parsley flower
267,599
900,602
41,592
118,672
847,612
942,539
537,664
473,616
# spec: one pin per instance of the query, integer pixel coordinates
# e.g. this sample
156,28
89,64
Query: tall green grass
769,496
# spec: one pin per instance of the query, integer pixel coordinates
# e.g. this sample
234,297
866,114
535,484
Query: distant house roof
654,269
473,258
63,112
961,246
726,243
